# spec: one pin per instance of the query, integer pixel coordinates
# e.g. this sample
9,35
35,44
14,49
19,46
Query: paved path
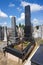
28,62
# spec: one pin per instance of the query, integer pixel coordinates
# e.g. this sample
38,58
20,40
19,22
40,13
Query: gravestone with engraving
28,25
14,38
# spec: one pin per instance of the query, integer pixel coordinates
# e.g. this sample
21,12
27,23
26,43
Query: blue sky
16,8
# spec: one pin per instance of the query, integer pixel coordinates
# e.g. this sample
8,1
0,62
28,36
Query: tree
37,27
23,26
19,24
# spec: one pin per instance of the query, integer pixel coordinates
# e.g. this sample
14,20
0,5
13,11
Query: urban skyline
17,8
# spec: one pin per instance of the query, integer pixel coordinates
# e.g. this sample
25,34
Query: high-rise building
27,31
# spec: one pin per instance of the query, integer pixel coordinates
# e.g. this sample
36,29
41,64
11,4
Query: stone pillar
27,31
5,33
13,23
14,32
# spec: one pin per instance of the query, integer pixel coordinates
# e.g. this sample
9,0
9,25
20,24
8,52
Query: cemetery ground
5,61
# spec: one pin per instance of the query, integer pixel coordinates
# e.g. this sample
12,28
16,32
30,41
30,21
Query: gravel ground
5,61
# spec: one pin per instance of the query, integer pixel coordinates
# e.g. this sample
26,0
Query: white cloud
2,14
3,24
35,21
23,3
19,9
36,7
10,16
11,5
33,6
21,19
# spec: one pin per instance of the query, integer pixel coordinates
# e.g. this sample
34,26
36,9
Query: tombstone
5,34
1,33
28,25
13,23
26,51
20,33
14,36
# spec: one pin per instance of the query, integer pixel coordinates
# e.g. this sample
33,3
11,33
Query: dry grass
39,41
1,42
22,45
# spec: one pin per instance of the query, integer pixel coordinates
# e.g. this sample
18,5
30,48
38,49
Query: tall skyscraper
27,31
